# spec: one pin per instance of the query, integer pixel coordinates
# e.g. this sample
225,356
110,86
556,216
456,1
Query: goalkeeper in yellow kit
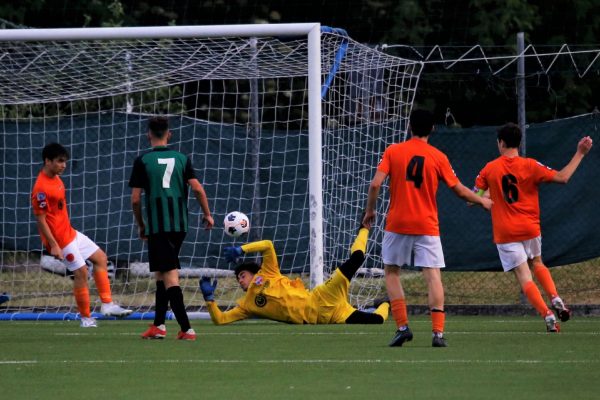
274,296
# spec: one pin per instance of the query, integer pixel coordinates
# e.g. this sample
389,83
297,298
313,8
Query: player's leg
514,258
171,244
81,292
533,294
363,317
399,310
90,251
158,330
542,274
435,296
75,263
396,250
430,256
357,254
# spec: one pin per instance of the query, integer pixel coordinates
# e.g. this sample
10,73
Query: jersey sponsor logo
41,196
70,257
258,281
42,204
260,300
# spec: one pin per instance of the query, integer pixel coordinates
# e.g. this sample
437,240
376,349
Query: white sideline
301,361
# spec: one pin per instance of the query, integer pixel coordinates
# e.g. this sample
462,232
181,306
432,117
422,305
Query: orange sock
438,319
542,273
399,312
535,297
103,286
82,298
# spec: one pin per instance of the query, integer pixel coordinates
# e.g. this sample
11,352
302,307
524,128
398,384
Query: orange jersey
415,169
48,197
513,184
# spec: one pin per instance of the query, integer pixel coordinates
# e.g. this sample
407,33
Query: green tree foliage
474,95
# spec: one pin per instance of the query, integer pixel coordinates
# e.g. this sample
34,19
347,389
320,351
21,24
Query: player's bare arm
42,224
202,199
464,193
372,196
136,206
583,148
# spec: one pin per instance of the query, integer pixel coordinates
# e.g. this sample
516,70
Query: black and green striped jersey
163,174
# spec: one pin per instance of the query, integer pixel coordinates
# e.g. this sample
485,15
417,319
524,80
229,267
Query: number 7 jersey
415,169
164,176
513,185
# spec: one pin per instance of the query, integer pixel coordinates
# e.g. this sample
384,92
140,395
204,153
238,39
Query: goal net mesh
238,107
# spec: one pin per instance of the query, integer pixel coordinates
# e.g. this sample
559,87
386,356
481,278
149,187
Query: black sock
176,300
362,317
161,304
352,265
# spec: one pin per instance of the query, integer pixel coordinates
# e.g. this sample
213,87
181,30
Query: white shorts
79,250
516,253
412,250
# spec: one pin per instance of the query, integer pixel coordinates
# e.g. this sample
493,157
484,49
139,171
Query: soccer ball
236,224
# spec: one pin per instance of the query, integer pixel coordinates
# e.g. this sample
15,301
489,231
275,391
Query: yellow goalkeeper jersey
274,296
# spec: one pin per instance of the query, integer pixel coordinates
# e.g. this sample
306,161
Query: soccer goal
285,123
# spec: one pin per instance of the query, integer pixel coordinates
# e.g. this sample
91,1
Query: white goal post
285,122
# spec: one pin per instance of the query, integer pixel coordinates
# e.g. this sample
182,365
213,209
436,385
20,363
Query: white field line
301,361
449,333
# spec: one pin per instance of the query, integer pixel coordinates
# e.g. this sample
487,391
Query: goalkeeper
274,296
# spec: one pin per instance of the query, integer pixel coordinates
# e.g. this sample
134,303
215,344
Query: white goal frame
311,30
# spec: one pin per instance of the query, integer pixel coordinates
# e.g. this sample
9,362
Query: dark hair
421,122
251,267
54,150
158,126
510,134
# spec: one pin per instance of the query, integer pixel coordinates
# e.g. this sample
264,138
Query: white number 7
170,163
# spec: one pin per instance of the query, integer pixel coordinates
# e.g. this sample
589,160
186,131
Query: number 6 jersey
513,184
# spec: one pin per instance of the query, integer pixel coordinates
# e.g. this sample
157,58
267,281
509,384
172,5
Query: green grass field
488,358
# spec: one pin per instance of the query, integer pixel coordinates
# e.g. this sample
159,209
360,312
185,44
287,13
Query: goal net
291,146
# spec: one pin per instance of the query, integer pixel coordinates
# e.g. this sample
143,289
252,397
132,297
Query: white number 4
170,163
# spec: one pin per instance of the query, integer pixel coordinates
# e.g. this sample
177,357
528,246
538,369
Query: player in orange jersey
49,203
274,296
412,228
513,183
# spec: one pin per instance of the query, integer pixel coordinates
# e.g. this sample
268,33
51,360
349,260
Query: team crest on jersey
258,281
41,196
260,300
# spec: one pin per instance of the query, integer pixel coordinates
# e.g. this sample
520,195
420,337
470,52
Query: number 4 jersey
513,185
415,169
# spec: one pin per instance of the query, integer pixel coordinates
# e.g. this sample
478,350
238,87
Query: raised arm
269,264
583,147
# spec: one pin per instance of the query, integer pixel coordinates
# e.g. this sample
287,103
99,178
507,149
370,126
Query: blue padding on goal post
75,316
338,57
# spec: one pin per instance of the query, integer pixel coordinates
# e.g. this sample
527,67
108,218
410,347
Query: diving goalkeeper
274,296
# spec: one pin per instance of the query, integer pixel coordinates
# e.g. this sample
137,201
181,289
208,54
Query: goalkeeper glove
207,288
232,253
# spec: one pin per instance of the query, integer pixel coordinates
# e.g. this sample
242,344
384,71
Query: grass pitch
488,358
